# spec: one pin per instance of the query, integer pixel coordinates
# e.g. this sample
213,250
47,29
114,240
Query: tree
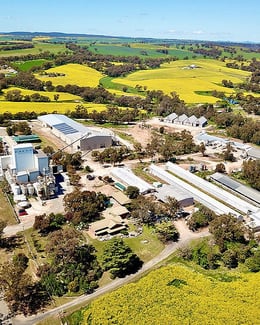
225,229
56,97
205,254
220,168
166,232
171,205
132,192
202,148
251,172
230,258
145,210
119,259
253,262
3,224
73,265
20,292
84,206
200,218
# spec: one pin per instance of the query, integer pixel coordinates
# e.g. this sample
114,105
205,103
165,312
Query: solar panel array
65,128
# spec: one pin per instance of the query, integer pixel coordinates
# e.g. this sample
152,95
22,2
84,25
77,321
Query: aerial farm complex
29,172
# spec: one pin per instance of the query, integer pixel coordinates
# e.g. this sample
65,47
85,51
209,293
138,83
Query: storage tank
16,189
30,189
24,189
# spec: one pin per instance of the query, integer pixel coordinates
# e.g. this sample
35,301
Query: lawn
146,246
175,77
75,74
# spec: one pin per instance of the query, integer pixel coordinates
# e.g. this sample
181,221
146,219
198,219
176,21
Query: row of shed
183,119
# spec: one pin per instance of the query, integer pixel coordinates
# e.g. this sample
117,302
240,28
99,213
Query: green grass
38,48
147,245
107,83
6,211
27,65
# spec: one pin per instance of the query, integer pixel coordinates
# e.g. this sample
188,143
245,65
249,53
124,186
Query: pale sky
228,20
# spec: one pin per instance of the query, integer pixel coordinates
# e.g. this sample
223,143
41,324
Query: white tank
16,189
24,189
30,189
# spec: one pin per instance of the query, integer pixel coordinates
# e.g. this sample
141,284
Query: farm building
184,198
128,178
210,139
116,210
202,121
253,153
185,120
245,191
192,121
107,226
170,118
180,119
76,134
26,138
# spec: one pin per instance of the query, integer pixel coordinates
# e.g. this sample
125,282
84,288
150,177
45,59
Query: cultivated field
75,74
38,48
62,96
57,107
177,76
179,295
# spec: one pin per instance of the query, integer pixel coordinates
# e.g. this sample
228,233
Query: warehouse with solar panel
77,135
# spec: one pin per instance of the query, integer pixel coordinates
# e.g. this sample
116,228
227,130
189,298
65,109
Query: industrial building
210,140
75,134
128,178
199,196
24,164
27,172
237,187
253,153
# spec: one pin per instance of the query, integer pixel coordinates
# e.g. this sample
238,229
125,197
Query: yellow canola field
50,94
178,295
75,74
15,107
178,77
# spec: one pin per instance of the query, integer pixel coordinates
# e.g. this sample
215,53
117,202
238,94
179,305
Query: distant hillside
20,34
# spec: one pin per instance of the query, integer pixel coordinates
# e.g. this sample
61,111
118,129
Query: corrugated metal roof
71,128
246,191
127,177
173,191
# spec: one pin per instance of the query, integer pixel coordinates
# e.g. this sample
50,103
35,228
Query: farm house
76,134
128,178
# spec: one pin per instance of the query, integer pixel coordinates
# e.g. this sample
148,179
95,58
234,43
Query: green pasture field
38,48
27,65
136,50
189,83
